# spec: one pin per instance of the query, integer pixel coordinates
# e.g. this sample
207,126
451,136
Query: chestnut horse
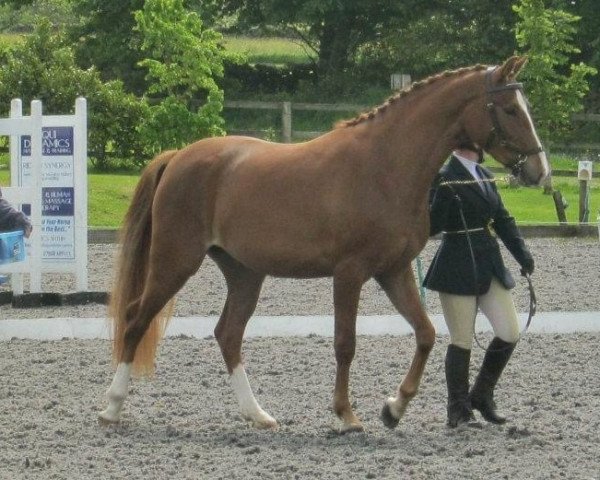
350,204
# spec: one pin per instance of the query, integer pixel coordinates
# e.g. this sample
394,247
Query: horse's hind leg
243,289
171,264
401,289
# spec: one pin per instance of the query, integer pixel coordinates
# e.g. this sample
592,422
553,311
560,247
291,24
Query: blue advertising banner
58,201
55,141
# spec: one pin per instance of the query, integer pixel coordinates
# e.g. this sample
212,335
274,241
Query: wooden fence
288,134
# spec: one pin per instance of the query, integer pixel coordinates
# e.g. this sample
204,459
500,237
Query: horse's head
500,123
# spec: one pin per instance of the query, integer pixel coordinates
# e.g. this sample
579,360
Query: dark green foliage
243,79
556,86
43,67
21,17
106,40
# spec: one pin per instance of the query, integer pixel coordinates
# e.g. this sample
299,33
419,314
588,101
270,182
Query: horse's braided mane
363,117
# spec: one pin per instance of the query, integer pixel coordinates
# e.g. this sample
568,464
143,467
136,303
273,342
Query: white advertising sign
58,192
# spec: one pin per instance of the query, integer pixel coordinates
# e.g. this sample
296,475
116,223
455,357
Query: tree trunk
335,40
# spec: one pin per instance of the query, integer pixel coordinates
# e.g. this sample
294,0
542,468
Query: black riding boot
482,395
457,380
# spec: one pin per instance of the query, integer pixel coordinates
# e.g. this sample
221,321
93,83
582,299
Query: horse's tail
132,269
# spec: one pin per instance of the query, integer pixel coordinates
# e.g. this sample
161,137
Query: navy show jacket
452,270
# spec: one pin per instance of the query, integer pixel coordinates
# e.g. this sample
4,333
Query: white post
286,121
35,277
16,126
81,192
398,81
16,111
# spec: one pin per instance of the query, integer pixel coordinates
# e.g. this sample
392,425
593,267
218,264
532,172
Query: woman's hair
474,148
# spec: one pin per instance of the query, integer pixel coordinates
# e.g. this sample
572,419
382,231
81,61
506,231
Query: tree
106,41
16,3
330,28
183,61
588,41
413,36
23,16
556,88
43,67
449,35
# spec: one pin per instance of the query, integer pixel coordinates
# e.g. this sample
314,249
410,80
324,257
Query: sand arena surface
185,423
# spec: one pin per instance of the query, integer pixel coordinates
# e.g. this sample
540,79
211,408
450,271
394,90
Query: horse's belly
310,256
291,260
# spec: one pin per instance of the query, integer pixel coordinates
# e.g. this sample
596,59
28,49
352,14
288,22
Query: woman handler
12,219
471,278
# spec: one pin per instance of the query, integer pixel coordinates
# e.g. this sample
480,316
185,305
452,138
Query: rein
497,133
532,296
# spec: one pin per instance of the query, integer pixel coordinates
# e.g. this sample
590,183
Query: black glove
527,266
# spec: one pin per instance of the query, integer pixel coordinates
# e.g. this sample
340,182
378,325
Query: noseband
497,133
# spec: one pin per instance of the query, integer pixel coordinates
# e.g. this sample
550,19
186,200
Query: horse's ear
511,67
520,64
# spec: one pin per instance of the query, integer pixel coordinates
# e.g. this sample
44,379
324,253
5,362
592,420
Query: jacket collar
461,173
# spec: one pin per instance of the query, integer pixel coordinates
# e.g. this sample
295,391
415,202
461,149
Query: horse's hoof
265,424
352,428
261,421
105,420
388,418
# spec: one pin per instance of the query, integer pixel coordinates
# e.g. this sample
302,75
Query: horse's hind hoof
351,428
105,420
261,420
387,418
265,424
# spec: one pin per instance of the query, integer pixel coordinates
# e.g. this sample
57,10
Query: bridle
497,133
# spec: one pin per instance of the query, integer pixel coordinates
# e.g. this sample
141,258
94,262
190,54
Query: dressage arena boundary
111,235
281,326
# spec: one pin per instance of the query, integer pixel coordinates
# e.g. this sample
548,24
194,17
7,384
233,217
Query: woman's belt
486,229
463,232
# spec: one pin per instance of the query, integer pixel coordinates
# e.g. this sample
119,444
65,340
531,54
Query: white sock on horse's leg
398,405
116,394
249,407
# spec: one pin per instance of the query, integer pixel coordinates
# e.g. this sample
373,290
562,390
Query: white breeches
497,305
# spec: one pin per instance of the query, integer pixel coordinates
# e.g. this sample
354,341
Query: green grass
273,50
7,39
109,197
564,163
531,205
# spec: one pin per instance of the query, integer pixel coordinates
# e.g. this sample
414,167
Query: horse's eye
510,110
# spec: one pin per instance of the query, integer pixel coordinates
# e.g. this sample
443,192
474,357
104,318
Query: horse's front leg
401,288
347,283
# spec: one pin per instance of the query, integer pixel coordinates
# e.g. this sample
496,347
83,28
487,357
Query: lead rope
532,297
